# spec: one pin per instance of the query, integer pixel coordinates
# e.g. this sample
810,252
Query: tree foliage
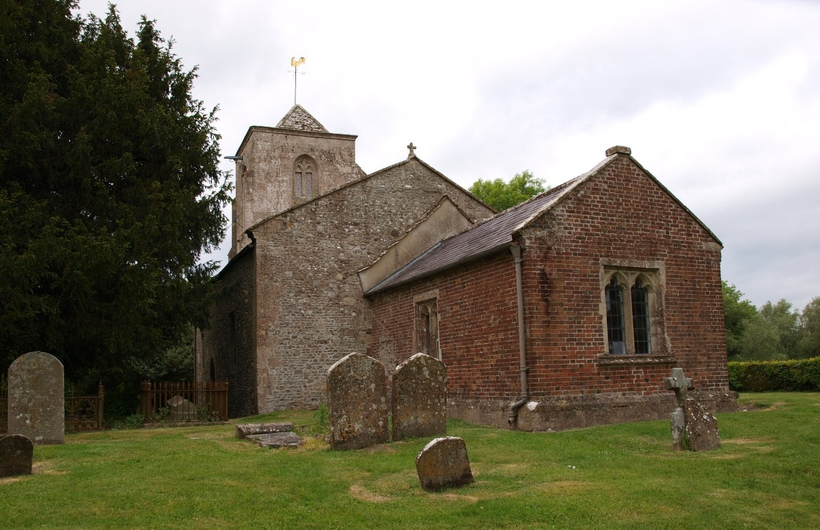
109,189
502,195
737,313
772,332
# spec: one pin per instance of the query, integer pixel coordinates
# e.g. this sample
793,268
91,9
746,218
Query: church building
565,311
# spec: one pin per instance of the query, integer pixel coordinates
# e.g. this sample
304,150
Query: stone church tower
280,167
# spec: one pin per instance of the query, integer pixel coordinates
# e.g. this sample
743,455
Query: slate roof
497,232
481,240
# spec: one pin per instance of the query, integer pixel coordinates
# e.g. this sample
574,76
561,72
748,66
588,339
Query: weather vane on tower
294,62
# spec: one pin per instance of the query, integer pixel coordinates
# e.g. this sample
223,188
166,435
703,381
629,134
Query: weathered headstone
444,463
357,402
693,427
701,427
419,397
16,452
36,401
181,409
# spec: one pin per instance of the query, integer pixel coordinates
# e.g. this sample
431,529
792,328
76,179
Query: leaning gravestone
36,398
16,453
444,463
419,397
357,402
181,409
693,427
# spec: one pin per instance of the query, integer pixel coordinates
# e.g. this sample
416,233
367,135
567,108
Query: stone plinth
444,463
357,402
36,401
419,398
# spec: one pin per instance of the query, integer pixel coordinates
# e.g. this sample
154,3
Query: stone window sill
606,359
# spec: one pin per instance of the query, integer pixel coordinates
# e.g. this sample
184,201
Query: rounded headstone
36,401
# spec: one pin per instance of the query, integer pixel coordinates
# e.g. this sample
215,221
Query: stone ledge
620,360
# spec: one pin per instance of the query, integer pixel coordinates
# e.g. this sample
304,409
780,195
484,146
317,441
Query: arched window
427,328
631,310
304,171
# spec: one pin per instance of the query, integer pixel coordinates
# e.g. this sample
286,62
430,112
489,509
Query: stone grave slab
36,401
357,403
277,439
443,463
419,398
16,453
701,427
244,430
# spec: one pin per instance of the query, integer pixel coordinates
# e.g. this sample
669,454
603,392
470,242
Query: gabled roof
499,231
363,179
299,119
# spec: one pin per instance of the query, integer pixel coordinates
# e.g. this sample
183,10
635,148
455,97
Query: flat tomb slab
277,439
244,430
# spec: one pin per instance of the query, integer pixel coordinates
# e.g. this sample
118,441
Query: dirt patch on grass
363,494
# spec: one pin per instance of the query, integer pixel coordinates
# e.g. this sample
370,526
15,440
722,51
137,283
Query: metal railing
184,401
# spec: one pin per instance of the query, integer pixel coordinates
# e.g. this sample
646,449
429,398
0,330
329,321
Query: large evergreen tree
109,189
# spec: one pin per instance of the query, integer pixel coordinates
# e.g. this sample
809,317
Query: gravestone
244,430
693,427
444,463
277,440
181,409
36,401
357,402
419,397
701,427
16,453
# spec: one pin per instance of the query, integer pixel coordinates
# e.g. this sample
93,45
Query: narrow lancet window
640,318
615,318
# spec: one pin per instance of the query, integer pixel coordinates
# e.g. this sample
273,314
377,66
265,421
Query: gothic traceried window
304,170
633,311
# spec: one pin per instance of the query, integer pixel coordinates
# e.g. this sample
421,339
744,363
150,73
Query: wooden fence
82,413
184,401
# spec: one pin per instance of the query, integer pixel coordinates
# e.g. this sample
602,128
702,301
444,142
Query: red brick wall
619,216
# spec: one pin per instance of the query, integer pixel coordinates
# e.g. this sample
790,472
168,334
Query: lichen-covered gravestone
36,398
16,453
419,397
357,402
693,427
444,463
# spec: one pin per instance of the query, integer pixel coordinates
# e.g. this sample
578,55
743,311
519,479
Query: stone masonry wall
265,186
618,217
311,311
229,340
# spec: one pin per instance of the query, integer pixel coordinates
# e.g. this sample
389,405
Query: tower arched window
304,177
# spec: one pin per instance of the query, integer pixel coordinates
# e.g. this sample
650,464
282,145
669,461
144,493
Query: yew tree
110,191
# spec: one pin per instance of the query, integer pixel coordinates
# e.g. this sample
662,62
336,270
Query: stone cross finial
680,384
412,149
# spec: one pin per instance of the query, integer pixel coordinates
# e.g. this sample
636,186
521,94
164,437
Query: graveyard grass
766,475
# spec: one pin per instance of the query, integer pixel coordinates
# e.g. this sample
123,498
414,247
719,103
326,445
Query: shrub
766,376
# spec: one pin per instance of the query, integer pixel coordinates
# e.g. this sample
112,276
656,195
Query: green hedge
767,376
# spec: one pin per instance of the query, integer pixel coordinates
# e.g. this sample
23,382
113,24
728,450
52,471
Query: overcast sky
718,100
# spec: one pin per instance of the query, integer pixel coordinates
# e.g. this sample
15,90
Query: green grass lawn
766,475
